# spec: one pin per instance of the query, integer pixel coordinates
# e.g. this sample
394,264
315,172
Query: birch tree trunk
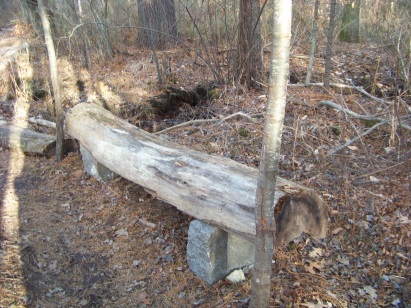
270,153
54,80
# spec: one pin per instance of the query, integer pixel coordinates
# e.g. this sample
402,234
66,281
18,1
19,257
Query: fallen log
214,189
30,142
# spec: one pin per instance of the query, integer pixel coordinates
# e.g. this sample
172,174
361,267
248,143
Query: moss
213,94
369,123
243,132
335,130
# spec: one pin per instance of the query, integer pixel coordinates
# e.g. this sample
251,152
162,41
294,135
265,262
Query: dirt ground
67,240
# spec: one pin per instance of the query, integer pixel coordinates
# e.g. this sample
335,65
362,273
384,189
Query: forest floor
67,240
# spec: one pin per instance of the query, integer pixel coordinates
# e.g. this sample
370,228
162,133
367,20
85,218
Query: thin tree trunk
171,19
160,15
54,80
330,41
313,43
270,153
81,37
29,14
249,61
350,31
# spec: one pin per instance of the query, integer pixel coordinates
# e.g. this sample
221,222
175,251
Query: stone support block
213,253
94,168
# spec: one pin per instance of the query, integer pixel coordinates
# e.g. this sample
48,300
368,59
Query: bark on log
30,142
214,189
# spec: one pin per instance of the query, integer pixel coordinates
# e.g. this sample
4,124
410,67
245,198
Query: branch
195,122
349,112
359,116
42,122
342,86
358,137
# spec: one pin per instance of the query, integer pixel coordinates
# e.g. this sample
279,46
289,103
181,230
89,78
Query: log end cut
301,213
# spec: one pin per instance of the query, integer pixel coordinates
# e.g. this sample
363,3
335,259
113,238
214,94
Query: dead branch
145,223
356,138
343,86
196,122
42,122
358,116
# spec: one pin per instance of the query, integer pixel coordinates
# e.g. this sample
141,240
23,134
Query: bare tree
249,63
270,153
54,80
330,42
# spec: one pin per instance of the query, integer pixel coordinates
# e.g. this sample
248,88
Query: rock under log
211,188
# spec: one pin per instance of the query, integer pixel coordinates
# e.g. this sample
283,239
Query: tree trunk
54,80
330,42
270,154
170,19
28,8
249,63
313,43
81,36
350,31
160,17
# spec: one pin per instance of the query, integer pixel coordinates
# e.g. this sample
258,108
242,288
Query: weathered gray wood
214,189
30,142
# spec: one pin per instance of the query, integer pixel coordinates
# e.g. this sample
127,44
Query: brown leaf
143,297
314,267
337,230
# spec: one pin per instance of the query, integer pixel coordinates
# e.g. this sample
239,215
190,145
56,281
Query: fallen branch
356,138
196,122
28,141
145,223
42,122
342,86
359,116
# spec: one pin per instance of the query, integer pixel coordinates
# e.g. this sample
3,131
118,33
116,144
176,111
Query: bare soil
67,240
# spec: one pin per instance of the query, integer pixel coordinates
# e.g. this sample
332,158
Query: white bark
270,154
211,188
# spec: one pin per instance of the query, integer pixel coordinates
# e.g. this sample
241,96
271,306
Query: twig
378,171
146,223
358,137
195,122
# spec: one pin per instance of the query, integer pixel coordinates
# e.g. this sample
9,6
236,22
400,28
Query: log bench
219,192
